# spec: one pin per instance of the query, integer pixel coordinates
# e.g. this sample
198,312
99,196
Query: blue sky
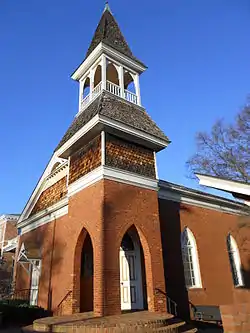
198,57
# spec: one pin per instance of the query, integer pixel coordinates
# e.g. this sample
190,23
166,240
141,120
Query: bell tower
109,66
112,181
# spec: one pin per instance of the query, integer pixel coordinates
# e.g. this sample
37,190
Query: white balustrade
97,90
113,88
131,97
85,101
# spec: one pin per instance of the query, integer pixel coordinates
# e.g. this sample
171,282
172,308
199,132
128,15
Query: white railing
85,101
131,97
97,90
113,88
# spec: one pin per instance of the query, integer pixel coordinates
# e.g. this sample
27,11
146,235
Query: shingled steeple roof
117,109
109,33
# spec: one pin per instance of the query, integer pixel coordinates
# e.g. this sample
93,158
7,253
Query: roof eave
100,122
226,185
109,51
235,207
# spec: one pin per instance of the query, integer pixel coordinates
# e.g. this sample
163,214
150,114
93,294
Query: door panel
130,279
35,276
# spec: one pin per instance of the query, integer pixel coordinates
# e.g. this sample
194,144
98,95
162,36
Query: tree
225,151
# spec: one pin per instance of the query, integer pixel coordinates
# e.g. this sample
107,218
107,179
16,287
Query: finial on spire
107,7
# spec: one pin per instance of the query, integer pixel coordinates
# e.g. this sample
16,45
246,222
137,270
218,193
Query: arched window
86,88
234,258
190,260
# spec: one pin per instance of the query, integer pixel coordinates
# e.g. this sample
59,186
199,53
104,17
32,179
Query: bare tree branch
225,151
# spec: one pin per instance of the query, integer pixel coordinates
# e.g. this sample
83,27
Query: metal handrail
171,305
57,311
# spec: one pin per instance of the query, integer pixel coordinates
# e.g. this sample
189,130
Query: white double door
34,285
131,280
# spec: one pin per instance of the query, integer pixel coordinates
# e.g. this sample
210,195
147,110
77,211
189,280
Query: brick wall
105,210
210,229
129,206
236,318
11,230
50,196
85,160
6,269
128,156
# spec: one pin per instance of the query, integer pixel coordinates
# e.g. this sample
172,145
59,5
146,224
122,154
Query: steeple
109,65
109,33
109,88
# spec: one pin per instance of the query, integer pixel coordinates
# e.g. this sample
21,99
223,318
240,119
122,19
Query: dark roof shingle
115,109
109,33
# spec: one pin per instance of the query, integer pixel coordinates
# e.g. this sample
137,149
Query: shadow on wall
172,255
246,276
118,201
6,273
42,241
170,234
241,235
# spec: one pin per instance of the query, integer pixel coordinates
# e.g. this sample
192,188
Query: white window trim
234,250
195,258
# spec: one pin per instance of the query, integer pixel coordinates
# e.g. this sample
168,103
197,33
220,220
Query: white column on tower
80,94
104,72
137,89
121,81
91,85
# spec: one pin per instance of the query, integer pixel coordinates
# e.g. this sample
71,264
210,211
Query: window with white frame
190,260
234,259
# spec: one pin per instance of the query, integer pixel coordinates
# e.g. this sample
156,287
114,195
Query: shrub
21,313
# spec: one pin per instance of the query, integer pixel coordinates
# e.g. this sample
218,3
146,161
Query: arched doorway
86,277
132,272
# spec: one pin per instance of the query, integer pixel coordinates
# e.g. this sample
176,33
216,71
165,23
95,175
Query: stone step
29,329
180,328
130,322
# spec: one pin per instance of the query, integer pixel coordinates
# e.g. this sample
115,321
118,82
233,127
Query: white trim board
61,208
224,184
44,220
110,52
48,214
39,188
173,192
104,172
8,217
114,124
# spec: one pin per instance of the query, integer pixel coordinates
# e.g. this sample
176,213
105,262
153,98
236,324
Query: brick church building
101,232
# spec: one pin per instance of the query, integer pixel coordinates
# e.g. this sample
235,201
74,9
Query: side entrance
131,276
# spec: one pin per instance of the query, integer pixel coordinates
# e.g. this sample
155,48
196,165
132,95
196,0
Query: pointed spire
107,7
109,33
